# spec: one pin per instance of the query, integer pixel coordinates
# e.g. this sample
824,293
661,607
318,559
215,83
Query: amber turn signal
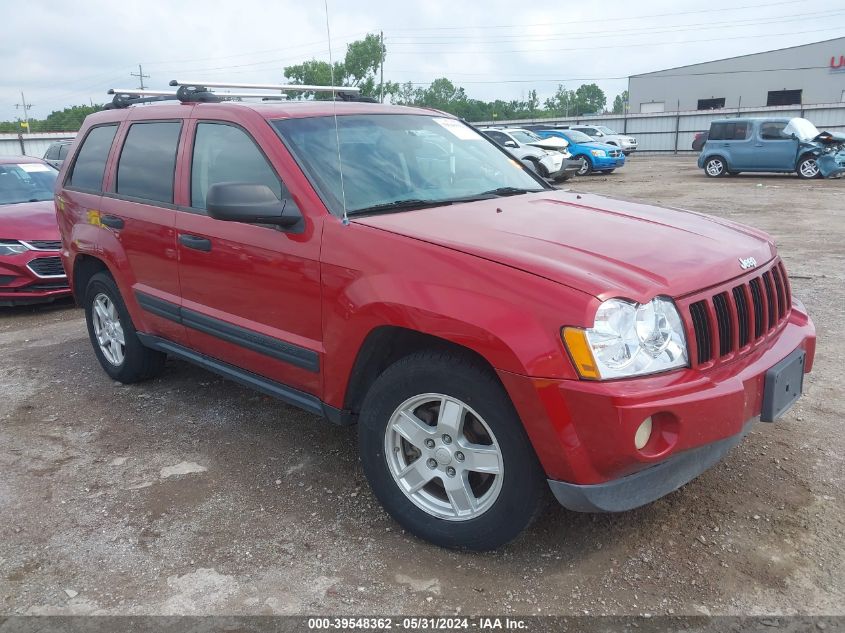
575,340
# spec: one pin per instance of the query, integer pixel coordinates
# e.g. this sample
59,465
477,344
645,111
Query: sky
67,53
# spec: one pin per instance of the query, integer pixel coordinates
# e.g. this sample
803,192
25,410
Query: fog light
643,434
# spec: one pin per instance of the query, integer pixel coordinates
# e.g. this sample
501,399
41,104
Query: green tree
358,68
562,103
620,103
589,99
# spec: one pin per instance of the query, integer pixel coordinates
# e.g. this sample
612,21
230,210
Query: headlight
598,152
629,339
11,247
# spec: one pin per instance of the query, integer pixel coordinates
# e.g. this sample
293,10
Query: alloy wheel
809,168
715,167
444,457
108,330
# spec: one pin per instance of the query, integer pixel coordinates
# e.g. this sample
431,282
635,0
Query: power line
731,24
573,23
613,46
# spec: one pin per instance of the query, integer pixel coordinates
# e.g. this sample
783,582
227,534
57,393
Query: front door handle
111,221
195,242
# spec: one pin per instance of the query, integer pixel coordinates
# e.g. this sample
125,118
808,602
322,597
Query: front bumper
583,431
646,485
26,280
568,168
601,163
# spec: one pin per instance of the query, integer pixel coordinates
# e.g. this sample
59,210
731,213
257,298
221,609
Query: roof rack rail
343,93
198,92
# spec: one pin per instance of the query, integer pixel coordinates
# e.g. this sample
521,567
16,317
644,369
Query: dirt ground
191,495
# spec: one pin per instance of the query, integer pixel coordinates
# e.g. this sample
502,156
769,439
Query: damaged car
782,145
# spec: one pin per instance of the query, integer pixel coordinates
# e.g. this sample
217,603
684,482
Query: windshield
801,128
605,130
575,136
524,137
26,182
394,158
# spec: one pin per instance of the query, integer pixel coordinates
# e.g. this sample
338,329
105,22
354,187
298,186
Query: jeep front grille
731,320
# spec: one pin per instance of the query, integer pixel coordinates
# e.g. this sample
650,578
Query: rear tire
715,167
113,336
425,395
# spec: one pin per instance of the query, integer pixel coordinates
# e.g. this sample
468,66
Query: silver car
549,158
605,135
56,153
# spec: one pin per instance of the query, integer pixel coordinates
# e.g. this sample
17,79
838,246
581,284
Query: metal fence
675,131
658,132
30,144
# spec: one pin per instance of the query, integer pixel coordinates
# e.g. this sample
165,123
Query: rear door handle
195,242
111,221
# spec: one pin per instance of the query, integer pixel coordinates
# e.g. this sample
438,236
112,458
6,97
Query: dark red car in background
30,268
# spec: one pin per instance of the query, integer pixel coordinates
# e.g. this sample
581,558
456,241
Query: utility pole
381,81
140,75
25,106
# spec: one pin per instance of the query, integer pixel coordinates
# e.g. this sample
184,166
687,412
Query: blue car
594,156
776,145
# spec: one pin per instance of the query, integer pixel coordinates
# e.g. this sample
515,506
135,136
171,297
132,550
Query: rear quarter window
90,164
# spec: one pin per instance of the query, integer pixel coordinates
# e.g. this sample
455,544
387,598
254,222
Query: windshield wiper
506,191
400,205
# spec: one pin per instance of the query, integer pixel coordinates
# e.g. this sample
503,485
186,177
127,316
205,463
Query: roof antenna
334,110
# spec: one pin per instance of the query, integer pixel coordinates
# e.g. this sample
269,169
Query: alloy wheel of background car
444,457
446,454
715,167
586,166
808,168
108,330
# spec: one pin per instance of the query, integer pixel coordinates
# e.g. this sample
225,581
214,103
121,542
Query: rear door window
225,153
147,164
63,151
52,153
732,131
90,165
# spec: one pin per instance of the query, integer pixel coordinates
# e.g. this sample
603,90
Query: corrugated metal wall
674,131
30,144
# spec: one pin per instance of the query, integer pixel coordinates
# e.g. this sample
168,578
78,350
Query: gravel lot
191,495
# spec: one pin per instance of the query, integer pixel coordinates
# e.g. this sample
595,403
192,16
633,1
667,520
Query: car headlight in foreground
598,152
629,339
12,247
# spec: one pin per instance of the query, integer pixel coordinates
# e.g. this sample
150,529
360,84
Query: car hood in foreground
29,221
602,246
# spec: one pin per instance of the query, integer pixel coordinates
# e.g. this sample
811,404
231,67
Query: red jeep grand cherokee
492,337
30,268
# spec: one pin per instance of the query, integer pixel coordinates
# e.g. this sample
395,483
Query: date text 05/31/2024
416,623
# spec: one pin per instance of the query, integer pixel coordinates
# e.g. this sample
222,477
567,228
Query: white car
604,134
550,157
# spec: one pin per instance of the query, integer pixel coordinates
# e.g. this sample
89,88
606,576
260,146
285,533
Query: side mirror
511,144
251,203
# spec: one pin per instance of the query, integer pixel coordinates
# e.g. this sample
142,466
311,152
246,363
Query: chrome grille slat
730,319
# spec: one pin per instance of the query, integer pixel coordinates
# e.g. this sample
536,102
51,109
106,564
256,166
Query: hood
598,145
29,221
551,142
602,246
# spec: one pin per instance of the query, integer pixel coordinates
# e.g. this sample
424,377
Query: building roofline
725,59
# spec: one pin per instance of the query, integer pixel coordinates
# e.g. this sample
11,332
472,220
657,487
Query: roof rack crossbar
280,87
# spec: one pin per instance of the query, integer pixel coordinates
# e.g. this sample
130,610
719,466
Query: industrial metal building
799,75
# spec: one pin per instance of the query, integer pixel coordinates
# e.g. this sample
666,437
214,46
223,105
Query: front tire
113,335
586,166
715,167
446,454
808,168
